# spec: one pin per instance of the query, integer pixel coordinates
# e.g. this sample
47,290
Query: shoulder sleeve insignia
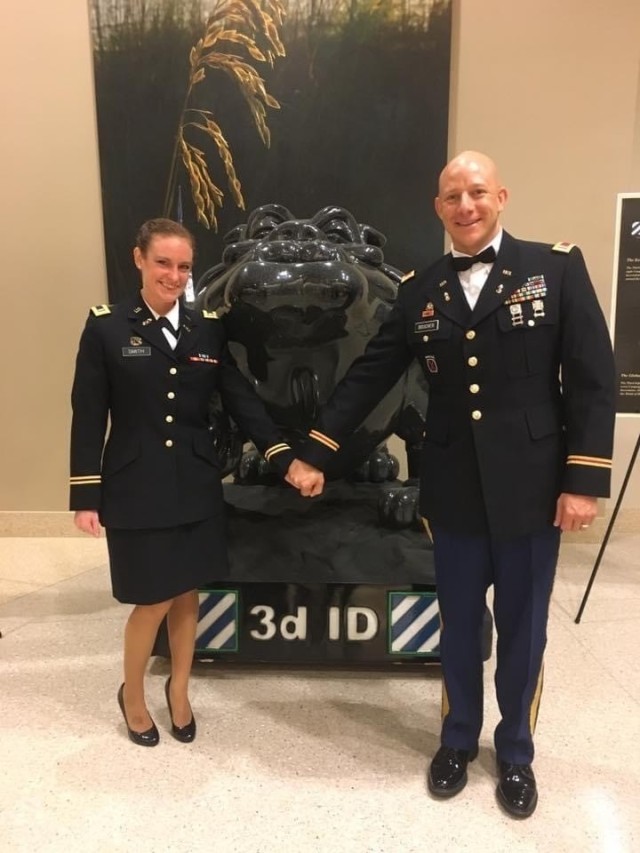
210,315
407,277
100,310
563,247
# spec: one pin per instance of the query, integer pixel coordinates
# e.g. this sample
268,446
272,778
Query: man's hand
306,478
575,512
87,520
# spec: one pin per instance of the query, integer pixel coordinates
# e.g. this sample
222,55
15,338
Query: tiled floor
300,761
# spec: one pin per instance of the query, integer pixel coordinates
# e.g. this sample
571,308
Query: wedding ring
583,526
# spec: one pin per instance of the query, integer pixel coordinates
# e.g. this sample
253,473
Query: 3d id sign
280,622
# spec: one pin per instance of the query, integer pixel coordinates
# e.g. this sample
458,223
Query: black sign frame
625,305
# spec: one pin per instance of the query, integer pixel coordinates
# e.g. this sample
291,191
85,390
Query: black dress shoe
447,774
150,737
516,791
185,734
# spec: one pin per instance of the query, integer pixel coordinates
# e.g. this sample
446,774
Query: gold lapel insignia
210,315
147,321
135,341
442,283
447,298
506,272
500,288
137,309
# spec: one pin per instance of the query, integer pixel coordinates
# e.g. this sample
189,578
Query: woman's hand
306,478
87,520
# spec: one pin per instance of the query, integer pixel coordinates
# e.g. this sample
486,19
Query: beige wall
51,240
550,89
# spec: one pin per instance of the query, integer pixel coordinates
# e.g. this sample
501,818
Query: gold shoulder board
407,276
100,310
563,247
210,315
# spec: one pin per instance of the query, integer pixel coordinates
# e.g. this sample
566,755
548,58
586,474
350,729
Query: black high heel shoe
150,737
185,734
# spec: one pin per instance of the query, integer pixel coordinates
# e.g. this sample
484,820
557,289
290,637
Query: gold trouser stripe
427,527
85,481
535,702
444,702
324,439
445,708
277,448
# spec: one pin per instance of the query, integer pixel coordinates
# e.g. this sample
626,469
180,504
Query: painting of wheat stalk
207,109
250,26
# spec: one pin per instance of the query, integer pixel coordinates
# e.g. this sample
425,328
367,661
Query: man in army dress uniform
517,448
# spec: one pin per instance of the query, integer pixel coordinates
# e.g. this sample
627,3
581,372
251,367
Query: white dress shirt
173,317
473,279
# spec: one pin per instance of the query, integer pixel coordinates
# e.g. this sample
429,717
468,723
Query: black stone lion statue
300,299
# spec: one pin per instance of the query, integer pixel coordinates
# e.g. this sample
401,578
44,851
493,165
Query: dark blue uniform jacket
521,402
159,467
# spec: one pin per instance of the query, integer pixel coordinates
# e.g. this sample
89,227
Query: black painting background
363,124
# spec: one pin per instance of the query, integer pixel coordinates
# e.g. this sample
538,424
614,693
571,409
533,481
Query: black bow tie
487,256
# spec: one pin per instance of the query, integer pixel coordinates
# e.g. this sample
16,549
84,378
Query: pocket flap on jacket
204,447
118,455
542,421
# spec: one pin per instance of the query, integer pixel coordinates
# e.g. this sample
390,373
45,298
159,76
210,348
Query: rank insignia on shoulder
407,276
563,247
209,315
100,310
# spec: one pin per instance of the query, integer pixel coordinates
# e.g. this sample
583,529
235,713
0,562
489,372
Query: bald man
517,448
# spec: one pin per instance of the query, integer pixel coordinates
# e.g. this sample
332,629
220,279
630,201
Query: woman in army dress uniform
149,367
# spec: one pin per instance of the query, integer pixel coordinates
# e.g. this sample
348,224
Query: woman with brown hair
149,366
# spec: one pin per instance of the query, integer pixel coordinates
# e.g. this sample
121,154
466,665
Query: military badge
538,307
535,287
202,357
428,310
432,364
135,341
516,314
426,326
136,352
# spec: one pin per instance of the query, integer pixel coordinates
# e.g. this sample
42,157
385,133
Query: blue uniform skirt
153,565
